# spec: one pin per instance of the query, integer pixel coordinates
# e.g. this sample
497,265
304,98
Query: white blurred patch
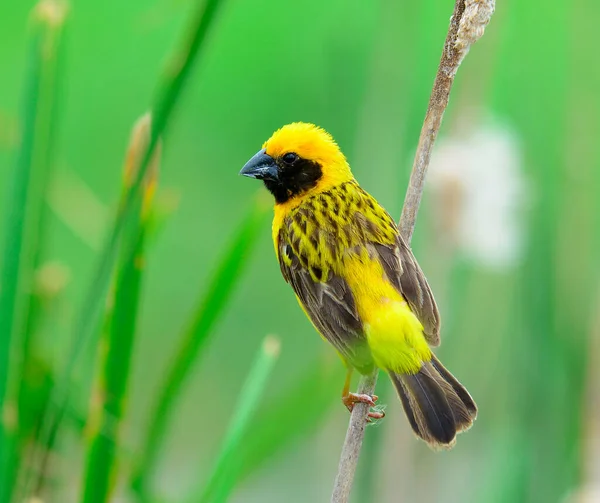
478,191
585,494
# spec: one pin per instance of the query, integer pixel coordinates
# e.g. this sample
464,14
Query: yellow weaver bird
357,280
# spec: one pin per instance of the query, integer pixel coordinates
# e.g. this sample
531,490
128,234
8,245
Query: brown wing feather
329,304
404,273
399,264
418,294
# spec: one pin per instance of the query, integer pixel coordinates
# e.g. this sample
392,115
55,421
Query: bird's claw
353,398
375,414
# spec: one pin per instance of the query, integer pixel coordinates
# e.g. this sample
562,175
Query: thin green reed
181,65
541,361
107,407
211,305
220,481
282,421
22,224
579,230
86,324
544,132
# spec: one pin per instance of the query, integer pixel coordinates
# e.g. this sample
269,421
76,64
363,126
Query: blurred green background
508,235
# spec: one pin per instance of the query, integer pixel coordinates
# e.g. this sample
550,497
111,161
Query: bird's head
298,160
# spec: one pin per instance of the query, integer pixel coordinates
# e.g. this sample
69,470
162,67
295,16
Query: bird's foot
351,399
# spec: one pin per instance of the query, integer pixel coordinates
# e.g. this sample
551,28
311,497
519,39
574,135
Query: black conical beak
261,166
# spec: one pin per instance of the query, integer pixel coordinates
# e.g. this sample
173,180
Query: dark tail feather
460,390
436,404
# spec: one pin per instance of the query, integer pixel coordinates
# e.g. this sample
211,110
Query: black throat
294,180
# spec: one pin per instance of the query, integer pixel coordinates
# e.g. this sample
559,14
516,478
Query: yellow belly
393,332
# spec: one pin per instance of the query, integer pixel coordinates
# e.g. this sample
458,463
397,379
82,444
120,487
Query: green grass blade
162,112
23,220
115,351
220,482
86,325
210,307
543,131
283,421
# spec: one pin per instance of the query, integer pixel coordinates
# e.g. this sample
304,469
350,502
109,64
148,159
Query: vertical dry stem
467,25
353,442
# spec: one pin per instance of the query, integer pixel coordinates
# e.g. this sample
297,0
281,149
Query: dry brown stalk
467,25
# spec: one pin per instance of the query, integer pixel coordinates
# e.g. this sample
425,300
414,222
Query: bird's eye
290,158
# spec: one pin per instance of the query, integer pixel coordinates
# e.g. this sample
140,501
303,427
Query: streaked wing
399,264
327,301
404,273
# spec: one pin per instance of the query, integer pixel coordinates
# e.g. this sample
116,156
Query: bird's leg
349,398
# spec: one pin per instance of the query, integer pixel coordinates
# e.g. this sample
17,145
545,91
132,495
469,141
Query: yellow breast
333,232
394,334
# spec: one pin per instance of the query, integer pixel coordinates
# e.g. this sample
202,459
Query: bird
357,280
